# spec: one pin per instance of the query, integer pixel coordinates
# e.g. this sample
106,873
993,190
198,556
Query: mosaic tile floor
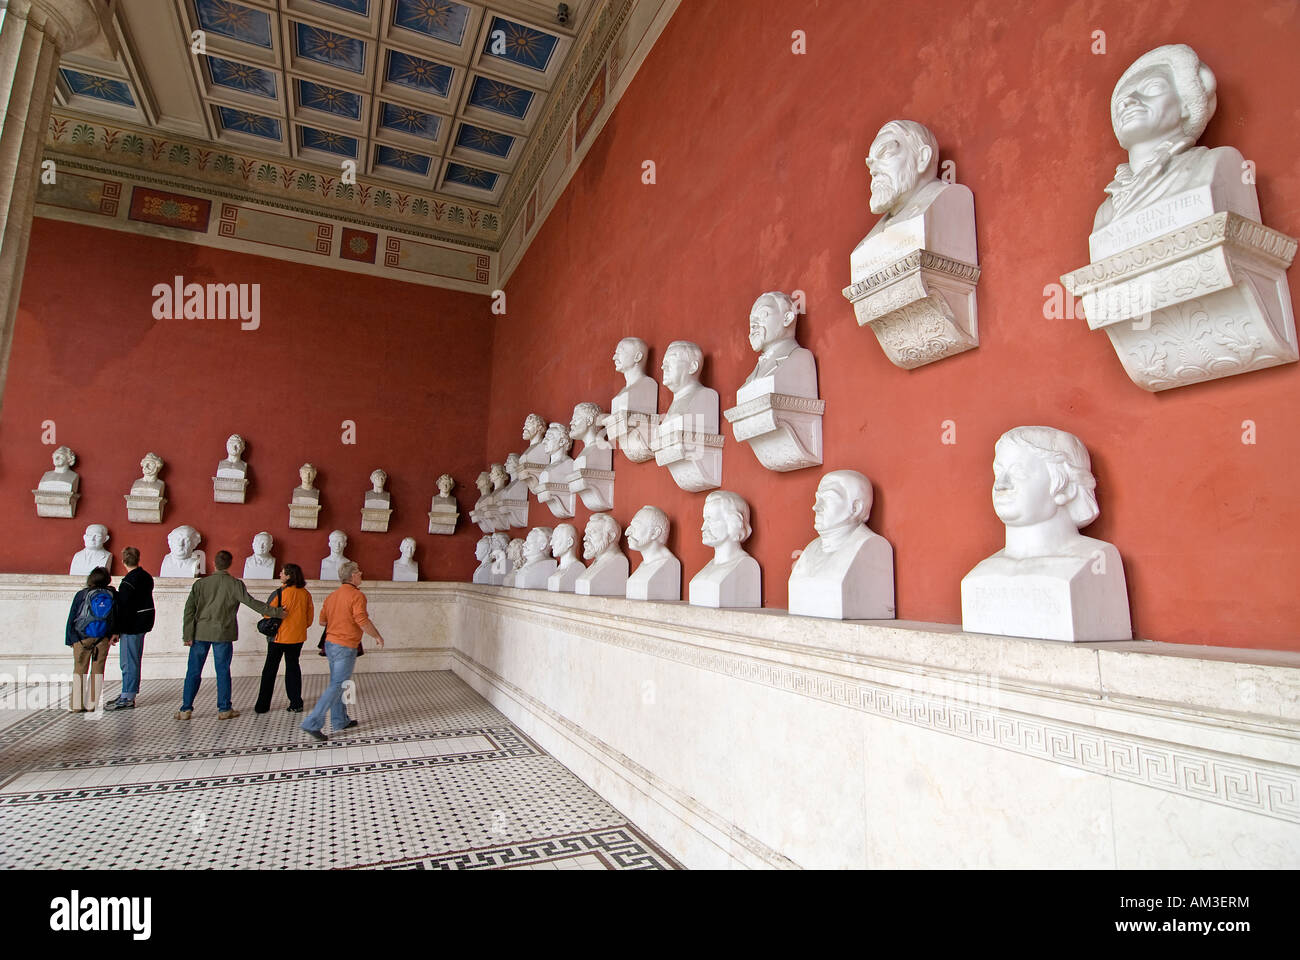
434,778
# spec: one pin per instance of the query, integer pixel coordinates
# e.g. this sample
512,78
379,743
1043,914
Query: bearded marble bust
1049,581
917,210
606,575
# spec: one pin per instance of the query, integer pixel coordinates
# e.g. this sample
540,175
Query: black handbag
270,626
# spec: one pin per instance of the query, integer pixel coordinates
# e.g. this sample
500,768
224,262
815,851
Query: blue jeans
130,646
221,654
342,660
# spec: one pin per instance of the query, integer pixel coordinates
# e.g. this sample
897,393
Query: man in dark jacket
133,617
210,624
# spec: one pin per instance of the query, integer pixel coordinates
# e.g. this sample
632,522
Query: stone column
34,34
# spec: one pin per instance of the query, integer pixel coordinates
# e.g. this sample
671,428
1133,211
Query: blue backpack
92,621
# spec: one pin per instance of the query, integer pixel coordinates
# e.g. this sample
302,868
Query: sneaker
316,734
183,714
350,724
120,705
227,714
297,709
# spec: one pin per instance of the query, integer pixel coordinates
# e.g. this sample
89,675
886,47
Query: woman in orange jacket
288,640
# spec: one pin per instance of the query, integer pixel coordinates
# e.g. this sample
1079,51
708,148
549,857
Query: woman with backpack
285,638
90,634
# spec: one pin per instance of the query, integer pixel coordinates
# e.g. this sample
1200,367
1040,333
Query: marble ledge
1260,687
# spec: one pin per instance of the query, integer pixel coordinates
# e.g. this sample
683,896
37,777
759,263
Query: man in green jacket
210,624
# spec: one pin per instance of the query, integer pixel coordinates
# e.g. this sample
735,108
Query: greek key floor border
616,848
1262,787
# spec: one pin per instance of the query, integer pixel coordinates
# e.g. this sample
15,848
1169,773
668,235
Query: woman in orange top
288,640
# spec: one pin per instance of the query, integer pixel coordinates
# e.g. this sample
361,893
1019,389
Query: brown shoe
227,714
183,714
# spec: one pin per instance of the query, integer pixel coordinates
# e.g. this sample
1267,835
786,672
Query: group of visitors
101,617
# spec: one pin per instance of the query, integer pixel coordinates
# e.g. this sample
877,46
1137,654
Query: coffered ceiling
438,94
433,119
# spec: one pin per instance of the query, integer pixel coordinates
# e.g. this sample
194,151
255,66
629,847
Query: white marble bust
329,566
640,393
534,458
497,476
606,575
732,578
559,470
514,492
482,549
695,406
445,484
1049,581
405,569
918,211
499,557
306,493
261,565
377,498
659,577
1159,109
184,559
515,560
783,366
62,479
149,485
564,547
538,563
847,573
588,427
92,554
233,467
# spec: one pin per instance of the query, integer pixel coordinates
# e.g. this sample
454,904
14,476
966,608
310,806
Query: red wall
407,363
761,185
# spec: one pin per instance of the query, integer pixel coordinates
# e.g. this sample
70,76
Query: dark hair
131,556
294,572
98,578
222,560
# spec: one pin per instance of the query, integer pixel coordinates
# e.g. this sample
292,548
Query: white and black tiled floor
432,778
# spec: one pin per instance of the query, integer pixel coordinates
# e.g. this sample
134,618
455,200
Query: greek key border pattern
216,780
618,848
1269,789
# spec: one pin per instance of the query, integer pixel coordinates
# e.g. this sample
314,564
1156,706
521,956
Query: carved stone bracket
595,487
487,517
56,503
557,497
633,433
375,519
1206,301
784,432
303,516
144,509
443,519
921,308
229,489
694,459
